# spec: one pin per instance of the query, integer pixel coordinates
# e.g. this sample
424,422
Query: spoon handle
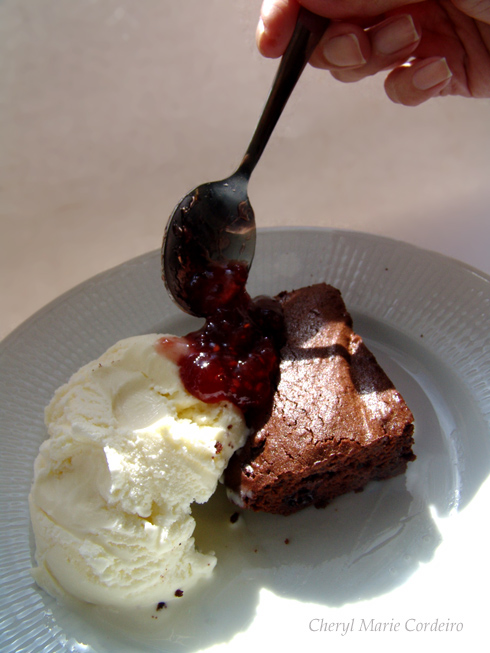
306,36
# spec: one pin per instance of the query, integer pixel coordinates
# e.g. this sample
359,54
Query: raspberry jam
235,355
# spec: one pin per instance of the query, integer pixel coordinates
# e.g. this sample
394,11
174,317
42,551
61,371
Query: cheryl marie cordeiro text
409,625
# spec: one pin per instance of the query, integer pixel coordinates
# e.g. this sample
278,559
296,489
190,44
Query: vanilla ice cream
129,451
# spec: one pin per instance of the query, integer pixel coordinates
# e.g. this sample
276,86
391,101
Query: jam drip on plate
235,355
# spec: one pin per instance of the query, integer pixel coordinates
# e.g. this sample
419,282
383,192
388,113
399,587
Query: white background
111,110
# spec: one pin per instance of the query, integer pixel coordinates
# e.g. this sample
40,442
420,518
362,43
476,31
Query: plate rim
454,262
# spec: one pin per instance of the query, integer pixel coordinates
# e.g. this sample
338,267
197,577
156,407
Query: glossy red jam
235,355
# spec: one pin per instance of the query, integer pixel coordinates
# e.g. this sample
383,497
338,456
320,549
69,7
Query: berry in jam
235,355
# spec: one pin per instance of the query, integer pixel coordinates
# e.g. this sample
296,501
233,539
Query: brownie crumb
234,517
219,447
286,541
161,605
179,593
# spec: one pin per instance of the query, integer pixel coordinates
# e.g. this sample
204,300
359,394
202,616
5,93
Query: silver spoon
214,224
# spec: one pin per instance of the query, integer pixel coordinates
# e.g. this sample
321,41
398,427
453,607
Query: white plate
391,555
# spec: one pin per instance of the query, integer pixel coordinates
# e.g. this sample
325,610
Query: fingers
276,25
348,9
278,18
352,53
479,9
418,82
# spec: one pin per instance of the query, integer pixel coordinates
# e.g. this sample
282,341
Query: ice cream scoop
215,223
129,451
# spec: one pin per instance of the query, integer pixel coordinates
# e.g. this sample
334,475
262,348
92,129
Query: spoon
213,227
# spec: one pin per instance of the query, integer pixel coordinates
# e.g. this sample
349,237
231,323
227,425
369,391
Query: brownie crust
336,423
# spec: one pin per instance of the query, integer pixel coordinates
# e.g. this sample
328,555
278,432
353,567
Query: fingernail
396,35
432,74
344,51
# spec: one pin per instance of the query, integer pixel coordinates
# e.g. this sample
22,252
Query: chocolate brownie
336,423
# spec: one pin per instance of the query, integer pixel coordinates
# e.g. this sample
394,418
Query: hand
430,47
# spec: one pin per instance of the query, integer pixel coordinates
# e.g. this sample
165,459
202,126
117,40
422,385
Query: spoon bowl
213,225
210,236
